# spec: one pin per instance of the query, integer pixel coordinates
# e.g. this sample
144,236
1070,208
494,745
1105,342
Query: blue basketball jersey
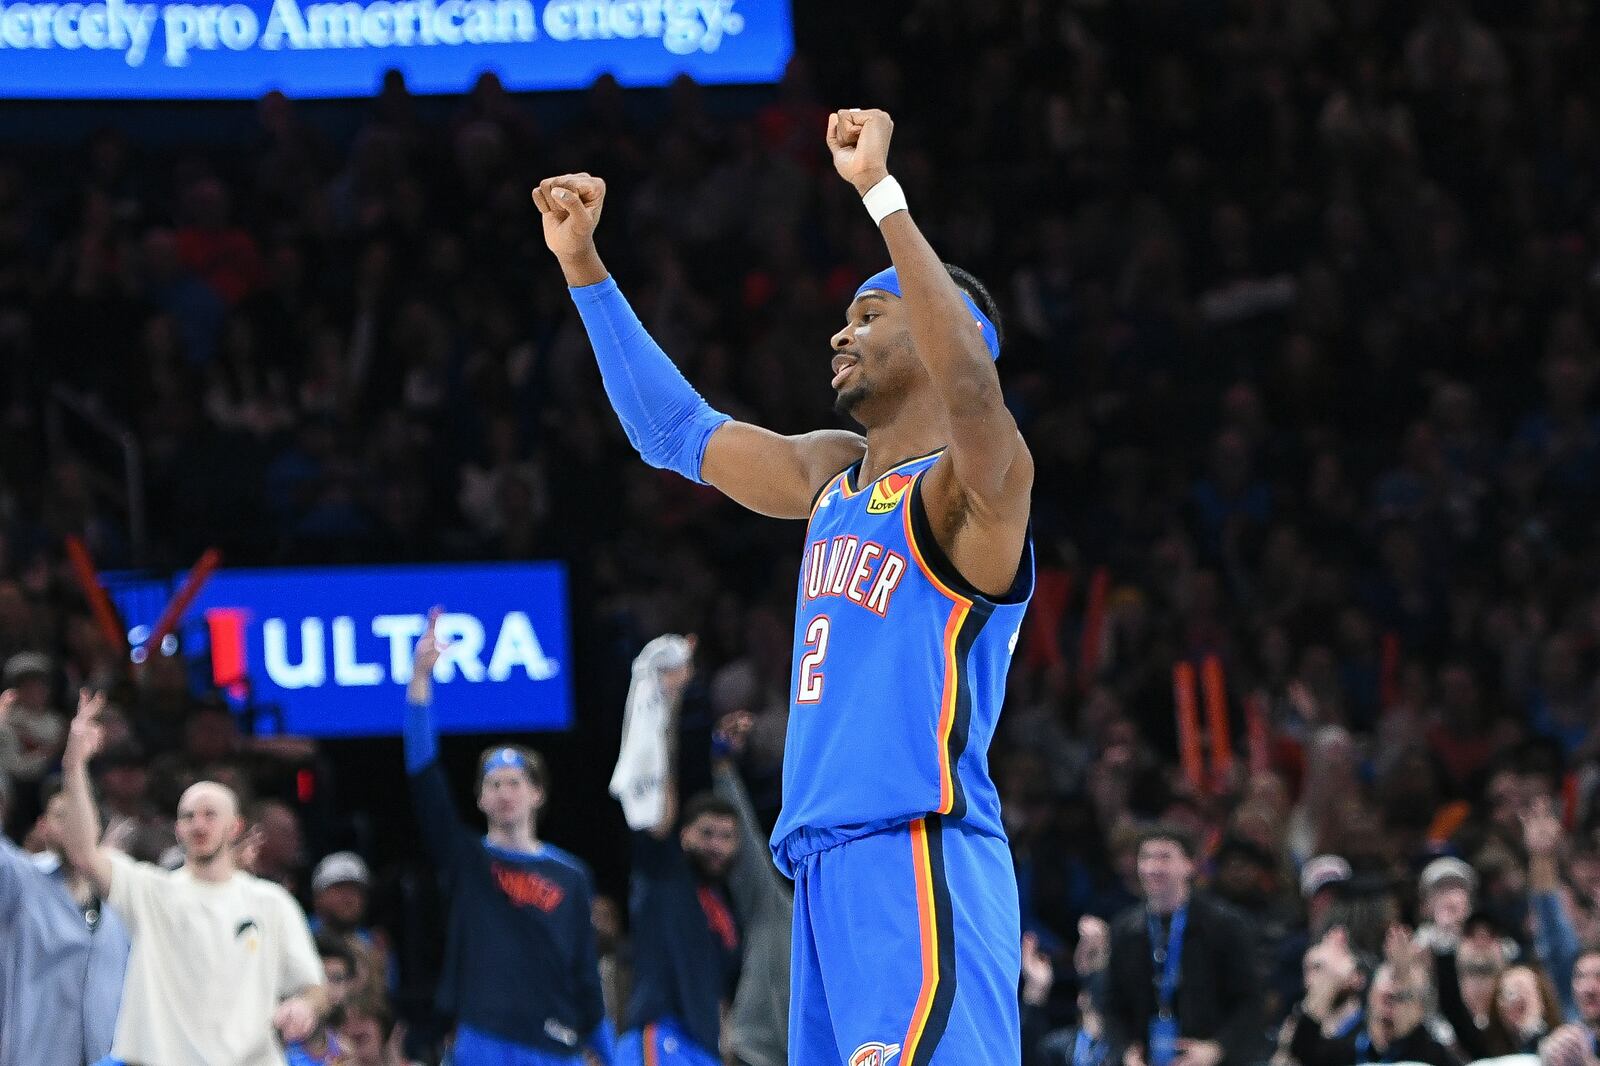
899,670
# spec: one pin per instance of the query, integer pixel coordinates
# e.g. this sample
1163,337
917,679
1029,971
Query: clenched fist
570,205
859,141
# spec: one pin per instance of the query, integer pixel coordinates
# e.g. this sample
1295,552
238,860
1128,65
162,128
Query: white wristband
884,199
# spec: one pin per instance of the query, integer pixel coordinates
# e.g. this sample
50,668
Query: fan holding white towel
642,777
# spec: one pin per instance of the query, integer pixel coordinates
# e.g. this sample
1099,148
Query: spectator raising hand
1331,977
1089,958
1038,973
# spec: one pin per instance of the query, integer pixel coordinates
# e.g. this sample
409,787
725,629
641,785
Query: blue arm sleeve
1555,942
666,420
421,738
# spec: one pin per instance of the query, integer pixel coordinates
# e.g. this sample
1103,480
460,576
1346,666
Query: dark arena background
1301,301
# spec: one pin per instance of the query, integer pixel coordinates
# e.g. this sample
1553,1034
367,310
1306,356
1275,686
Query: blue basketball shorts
663,1044
907,950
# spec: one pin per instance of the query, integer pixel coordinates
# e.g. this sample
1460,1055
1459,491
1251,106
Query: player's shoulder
830,452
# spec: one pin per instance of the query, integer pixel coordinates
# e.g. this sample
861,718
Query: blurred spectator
130,816
518,905
63,952
687,943
1332,1028
370,1036
1525,1008
758,1025
39,729
321,1048
190,996
282,855
1570,1045
339,889
1085,1043
1180,985
1444,894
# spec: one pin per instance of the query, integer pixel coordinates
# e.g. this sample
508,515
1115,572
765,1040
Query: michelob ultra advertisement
331,647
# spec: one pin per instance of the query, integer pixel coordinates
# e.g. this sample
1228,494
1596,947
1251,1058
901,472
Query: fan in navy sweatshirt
521,973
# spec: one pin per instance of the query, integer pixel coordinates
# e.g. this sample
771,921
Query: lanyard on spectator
1168,961
1086,1052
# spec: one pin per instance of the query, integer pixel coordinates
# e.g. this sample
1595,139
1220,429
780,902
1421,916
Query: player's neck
912,432
514,838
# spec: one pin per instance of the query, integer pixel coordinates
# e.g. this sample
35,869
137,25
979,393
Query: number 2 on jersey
811,662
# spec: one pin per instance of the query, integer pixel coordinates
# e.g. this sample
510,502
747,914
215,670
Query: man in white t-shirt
223,964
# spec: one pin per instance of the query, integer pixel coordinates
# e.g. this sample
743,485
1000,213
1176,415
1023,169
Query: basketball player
917,570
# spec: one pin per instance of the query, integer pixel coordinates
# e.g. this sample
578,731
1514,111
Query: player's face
508,797
711,842
871,353
208,820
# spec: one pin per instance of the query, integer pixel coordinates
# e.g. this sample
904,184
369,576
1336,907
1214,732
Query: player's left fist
859,141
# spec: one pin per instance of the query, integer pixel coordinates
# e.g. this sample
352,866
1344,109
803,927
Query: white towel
640,779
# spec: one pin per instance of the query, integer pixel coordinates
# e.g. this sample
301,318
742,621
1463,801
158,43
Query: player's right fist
570,206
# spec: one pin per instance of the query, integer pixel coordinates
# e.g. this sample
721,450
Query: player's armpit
772,474
981,529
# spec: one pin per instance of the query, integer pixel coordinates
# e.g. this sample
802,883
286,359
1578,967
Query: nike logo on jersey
866,574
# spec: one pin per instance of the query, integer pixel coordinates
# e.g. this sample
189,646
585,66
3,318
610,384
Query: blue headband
888,281
505,759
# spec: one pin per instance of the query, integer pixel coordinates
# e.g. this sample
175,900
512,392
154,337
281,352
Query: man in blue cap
917,570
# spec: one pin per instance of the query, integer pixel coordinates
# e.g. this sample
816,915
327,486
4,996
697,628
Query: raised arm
442,831
81,836
753,877
666,420
978,494
672,681
1555,941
